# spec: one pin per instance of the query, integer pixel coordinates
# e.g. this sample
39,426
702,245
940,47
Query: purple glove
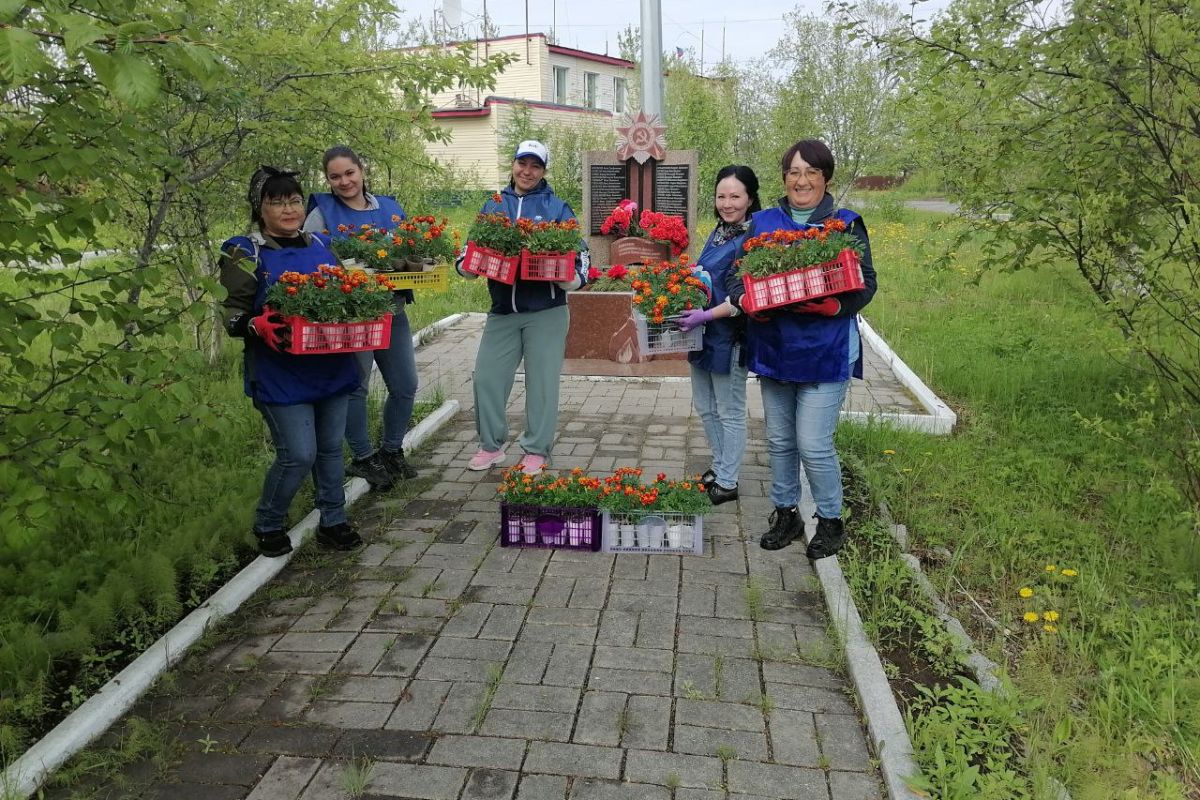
693,319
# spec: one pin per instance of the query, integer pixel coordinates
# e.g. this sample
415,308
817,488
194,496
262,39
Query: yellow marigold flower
1025,592
381,253
1069,573
1050,616
1030,617
889,452
1050,628
1051,568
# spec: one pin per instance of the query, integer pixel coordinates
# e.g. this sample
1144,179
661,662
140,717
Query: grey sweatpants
539,337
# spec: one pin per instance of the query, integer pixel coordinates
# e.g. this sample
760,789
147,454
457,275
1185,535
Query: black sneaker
373,470
786,527
394,462
708,478
273,544
718,494
830,536
339,537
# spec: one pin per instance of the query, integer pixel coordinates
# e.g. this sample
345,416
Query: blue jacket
338,213
284,378
802,347
720,335
540,205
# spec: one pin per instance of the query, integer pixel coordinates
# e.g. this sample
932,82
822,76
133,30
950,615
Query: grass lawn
1029,510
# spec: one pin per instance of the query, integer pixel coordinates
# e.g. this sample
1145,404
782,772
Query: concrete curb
885,725
90,720
941,419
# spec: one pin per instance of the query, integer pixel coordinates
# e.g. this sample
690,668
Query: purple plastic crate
543,526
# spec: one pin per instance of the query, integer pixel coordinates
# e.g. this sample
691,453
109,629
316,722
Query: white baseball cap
532,147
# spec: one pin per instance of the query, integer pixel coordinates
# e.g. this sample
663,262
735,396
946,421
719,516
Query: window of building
560,85
589,89
619,99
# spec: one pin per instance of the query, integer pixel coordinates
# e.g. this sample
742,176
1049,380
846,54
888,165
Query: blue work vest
720,335
283,378
800,348
337,213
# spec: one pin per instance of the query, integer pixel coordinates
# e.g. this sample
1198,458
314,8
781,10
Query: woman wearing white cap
527,320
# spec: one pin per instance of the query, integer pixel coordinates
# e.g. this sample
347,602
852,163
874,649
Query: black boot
831,535
371,469
339,537
273,543
786,527
719,494
394,462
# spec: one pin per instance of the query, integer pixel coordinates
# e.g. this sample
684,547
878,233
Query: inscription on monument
608,185
671,185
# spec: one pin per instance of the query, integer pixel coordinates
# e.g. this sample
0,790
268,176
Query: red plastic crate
547,266
490,263
545,526
843,274
309,338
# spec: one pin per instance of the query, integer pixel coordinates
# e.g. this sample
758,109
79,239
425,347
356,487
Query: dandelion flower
1030,617
1050,616
889,452
1050,628
1069,573
1051,568
1025,592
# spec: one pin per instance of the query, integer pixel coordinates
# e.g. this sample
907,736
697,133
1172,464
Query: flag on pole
679,52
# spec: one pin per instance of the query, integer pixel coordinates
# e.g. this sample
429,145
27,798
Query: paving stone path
435,664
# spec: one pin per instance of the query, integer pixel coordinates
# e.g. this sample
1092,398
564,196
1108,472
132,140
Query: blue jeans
720,400
398,367
800,420
308,438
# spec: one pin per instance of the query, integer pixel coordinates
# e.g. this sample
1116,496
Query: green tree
1074,136
699,114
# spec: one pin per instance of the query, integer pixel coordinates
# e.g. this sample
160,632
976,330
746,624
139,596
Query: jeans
720,400
800,420
308,438
398,367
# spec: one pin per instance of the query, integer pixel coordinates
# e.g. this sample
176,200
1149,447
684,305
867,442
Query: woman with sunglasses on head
303,398
719,368
350,205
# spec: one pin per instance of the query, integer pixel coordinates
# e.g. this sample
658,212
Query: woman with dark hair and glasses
350,204
719,369
805,355
302,398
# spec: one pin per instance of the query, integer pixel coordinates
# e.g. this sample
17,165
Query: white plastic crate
652,532
657,338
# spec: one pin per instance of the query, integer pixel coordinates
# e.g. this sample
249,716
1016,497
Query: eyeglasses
291,202
812,173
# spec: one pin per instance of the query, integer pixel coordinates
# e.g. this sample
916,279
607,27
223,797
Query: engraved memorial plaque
608,185
672,182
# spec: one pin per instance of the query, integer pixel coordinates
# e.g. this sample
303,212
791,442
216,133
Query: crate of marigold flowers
333,310
546,509
663,516
661,292
785,267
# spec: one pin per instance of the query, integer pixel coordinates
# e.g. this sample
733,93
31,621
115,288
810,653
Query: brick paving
435,664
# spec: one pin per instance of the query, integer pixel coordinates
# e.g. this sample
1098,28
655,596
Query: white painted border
944,419
893,747
101,710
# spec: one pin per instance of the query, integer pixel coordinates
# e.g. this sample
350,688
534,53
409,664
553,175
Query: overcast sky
747,30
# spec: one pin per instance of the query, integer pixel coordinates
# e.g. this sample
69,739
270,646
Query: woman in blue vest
302,398
719,369
804,355
527,321
350,204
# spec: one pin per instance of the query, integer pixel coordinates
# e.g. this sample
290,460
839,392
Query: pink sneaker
485,459
531,463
